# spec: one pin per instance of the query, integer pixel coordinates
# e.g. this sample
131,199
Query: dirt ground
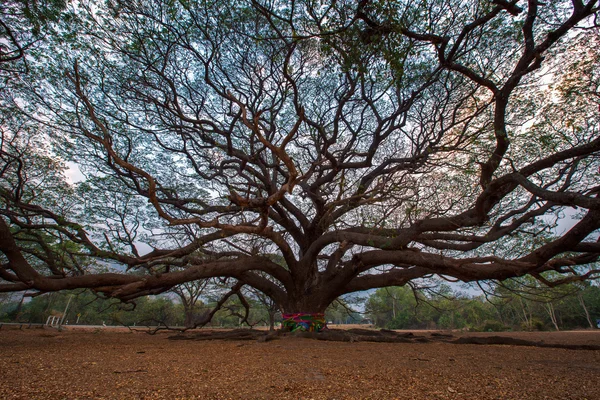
105,364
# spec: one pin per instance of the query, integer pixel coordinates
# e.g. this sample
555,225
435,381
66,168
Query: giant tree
307,149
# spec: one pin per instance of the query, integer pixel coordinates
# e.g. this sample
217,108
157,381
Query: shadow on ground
380,336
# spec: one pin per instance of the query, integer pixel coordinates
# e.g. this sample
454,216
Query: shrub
493,326
534,325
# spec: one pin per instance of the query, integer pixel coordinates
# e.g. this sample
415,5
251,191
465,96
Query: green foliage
493,326
85,308
23,24
394,308
341,312
512,306
535,324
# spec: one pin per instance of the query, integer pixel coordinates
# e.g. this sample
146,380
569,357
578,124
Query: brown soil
105,364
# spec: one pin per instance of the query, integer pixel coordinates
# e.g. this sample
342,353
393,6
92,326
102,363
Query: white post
65,312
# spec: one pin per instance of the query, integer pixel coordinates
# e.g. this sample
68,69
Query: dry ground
104,364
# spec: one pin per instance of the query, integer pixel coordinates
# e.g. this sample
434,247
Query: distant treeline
513,305
85,308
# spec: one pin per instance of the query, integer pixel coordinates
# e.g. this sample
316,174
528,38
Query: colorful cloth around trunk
304,322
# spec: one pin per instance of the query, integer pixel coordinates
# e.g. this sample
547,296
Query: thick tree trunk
189,318
305,304
305,313
305,322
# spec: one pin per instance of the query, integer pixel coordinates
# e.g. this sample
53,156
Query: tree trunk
271,321
526,319
189,318
305,313
587,313
306,322
19,309
550,308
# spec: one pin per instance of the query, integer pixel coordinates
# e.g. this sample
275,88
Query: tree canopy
306,149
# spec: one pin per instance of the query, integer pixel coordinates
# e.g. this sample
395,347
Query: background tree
189,293
515,305
525,303
264,302
307,150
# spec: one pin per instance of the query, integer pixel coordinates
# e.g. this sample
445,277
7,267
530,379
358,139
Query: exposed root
351,335
365,335
502,340
235,334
